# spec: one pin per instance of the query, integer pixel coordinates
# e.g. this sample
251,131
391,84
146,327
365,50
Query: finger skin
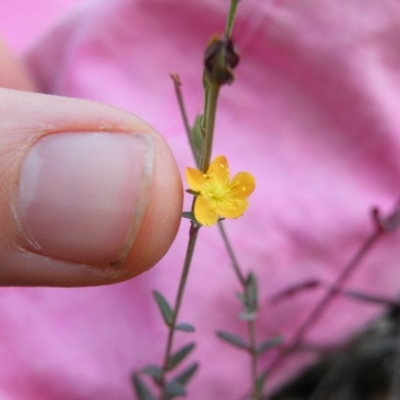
29,116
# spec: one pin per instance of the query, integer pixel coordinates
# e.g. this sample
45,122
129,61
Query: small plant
217,195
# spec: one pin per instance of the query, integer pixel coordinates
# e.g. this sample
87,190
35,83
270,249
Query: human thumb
89,194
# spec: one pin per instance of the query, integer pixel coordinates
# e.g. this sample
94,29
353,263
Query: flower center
217,192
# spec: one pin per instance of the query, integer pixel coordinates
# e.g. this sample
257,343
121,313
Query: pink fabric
313,114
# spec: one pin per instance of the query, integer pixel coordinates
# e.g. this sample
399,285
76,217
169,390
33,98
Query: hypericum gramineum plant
217,196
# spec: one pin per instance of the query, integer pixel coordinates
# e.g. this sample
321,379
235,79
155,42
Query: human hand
89,194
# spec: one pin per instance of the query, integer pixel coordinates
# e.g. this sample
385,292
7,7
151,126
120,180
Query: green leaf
233,339
268,344
174,389
248,316
189,215
184,377
165,308
190,191
184,327
251,293
198,131
260,382
154,371
141,389
179,355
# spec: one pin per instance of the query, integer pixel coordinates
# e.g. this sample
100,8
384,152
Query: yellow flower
218,195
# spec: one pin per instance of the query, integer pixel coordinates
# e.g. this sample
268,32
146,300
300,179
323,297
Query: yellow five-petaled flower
217,194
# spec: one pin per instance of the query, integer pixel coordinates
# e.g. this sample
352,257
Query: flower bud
220,58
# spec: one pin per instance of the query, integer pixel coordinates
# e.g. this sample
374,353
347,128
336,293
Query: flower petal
195,179
219,170
243,186
205,211
232,209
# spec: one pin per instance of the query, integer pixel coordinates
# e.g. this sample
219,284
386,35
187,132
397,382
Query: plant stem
194,229
250,324
211,99
231,17
179,96
235,263
195,150
210,110
342,278
327,299
253,344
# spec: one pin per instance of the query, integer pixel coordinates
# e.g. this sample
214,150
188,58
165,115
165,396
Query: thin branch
231,17
234,261
194,229
253,346
382,226
182,108
327,299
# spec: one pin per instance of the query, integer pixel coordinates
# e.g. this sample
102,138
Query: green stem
252,336
235,263
210,111
182,108
179,96
231,17
194,229
251,324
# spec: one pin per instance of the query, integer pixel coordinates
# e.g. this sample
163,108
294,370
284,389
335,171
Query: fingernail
81,197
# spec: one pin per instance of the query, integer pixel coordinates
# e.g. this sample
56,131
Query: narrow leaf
174,389
141,389
260,382
179,355
248,316
165,308
189,215
184,377
295,289
233,339
267,344
197,138
369,298
190,191
154,371
184,327
251,293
